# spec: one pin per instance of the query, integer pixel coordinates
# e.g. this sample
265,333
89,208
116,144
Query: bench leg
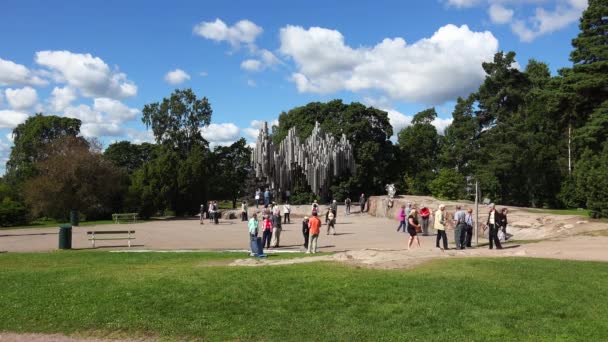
129,243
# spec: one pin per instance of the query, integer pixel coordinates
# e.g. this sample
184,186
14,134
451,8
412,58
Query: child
267,234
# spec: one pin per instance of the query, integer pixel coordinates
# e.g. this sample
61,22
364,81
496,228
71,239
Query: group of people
211,212
461,222
266,197
272,223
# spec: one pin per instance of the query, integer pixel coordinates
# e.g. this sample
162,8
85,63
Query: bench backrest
111,232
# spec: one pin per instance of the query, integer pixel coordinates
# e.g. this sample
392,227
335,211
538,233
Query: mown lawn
188,296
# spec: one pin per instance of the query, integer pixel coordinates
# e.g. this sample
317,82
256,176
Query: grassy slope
178,296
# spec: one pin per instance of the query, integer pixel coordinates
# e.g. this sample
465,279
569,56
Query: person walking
244,211
469,227
276,231
362,202
267,231
460,227
334,208
347,205
202,214
503,222
412,228
305,231
439,226
408,208
493,222
425,214
286,212
402,218
332,222
314,227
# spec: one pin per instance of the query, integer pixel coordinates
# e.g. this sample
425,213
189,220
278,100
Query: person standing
412,228
267,197
216,213
202,213
402,219
267,231
211,211
258,196
332,222
244,211
440,227
469,229
334,208
314,208
314,226
287,195
347,205
276,230
362,202
305,231
253,225
503,222
460,227
286,212
408,208
493,221
425,214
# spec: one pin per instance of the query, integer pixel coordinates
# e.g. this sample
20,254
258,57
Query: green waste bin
74,218
65,236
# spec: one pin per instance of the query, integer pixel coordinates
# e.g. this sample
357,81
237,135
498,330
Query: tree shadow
31,234
337,234
106,247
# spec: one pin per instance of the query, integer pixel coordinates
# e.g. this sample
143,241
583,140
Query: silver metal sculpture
391,190
320,157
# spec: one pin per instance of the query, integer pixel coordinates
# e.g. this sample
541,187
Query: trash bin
74,218
65,236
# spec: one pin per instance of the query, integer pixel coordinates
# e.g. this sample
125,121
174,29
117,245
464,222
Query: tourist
402,218
503,222
327,215
469,229
332,222
362,202
267,233
347,205
216,212
425,214
334,208
211,211
202,213
493,222
266,211
287,195
276,230
275,209
253,227
412,228
267,197
408,208
314,227
305,231
460,227
314,208
439,225
258,195
244,211
286,212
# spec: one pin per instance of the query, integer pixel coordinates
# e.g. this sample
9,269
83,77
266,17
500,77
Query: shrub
449,184
12,213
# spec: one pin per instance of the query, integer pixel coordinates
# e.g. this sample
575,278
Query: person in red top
314,227
425,214
267,234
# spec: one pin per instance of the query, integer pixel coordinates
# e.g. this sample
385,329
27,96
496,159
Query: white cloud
544,21
432,70
251,65
95,130
9,137
176,76
463,3
268,57
21,99
399,121
243,32
114,109
499,14
221,134
12,73
105,119
89,74
61,98
10,118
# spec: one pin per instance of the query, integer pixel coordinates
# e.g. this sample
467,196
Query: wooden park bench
113,235
126,216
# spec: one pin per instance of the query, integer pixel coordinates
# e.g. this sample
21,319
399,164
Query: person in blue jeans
402,219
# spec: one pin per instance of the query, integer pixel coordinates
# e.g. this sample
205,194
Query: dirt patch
14,337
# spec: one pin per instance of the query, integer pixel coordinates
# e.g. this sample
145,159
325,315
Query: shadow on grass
33,234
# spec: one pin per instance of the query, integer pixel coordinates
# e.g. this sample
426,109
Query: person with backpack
439,226
460,227
314,226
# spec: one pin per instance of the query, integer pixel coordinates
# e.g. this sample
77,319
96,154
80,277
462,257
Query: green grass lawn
188,296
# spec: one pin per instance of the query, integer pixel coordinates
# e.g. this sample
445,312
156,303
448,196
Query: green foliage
368,129
230,167
590,177
29,140
449,184
12,213
129,156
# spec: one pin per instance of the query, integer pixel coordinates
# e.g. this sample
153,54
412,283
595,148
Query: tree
368,129
231,166
73,176
129,156
449,184
29,140
419,144
177,120
458,149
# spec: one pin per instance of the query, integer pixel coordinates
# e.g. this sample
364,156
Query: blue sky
101,61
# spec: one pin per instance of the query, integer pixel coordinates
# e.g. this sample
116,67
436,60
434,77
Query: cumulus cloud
10,118
176,76
499,14
61,98
114,109
22,98
221,134
12,73
89,74
251,65
243,32
400,121
431,70
462,3
105,118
